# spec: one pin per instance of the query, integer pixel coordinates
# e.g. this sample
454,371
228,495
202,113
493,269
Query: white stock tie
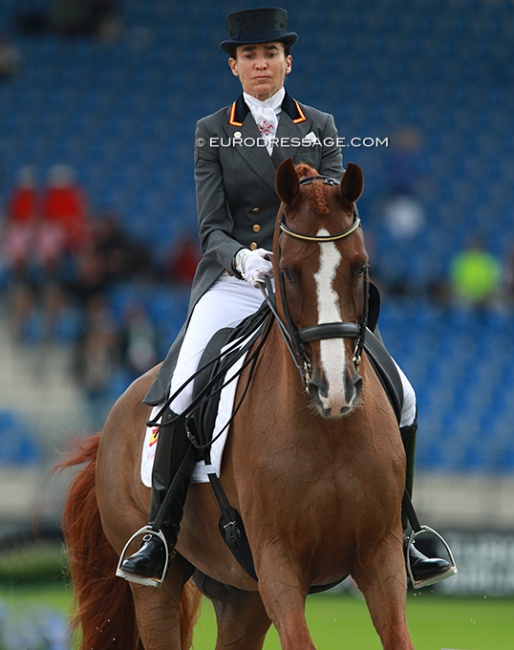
265,113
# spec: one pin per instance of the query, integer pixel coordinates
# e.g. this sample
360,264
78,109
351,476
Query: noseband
296,338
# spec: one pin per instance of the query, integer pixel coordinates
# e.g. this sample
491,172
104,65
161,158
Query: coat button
256,209
253,246
256,227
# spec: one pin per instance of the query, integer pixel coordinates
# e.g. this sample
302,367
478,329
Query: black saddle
225,347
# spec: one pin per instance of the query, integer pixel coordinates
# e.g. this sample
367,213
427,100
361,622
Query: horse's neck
282,364
280,380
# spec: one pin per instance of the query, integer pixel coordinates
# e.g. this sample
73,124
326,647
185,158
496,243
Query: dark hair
287,50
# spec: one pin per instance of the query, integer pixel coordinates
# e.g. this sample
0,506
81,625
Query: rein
294,337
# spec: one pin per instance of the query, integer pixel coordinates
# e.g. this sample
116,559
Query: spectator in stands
475,276
97,358
90,280
182,260
22,204
20,210
21,295
123,257
11,60
64,203
33,251
69,17
403,209
105,19
404,169
73,18
138,342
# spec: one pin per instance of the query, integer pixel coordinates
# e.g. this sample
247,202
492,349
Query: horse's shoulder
127,410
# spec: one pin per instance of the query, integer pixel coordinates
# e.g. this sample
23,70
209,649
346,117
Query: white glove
254,265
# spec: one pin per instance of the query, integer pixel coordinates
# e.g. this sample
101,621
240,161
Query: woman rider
237,207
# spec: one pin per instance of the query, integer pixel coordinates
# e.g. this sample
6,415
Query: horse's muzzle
335,401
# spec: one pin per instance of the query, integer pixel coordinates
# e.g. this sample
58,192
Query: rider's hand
254,265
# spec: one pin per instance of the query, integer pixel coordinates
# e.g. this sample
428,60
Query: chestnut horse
314,464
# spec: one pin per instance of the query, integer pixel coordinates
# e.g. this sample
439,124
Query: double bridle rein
296,338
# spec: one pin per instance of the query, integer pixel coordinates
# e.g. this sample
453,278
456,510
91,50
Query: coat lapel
288,131
241,126
292,124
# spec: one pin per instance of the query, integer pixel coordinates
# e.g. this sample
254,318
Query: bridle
296,338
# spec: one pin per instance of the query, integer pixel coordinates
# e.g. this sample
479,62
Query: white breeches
409,400
226,304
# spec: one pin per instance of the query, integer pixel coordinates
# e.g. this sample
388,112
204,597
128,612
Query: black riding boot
175,458
424,569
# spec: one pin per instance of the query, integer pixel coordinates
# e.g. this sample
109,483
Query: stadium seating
124,114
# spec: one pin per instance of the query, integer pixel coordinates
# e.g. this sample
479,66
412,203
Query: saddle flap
223,350
386,370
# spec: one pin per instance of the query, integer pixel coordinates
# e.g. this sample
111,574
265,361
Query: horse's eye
290,276
362,269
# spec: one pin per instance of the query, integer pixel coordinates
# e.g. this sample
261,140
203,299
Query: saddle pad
379,356
220,433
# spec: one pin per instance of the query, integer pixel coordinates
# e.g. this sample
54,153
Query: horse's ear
287,183
352,183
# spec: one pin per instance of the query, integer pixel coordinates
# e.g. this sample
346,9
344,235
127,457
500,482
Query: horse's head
321,279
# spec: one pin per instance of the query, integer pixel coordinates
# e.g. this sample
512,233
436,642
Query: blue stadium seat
18,445
124,114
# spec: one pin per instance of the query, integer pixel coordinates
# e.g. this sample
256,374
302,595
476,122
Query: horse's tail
103,607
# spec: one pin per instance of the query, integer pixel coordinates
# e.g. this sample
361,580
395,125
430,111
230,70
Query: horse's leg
241,617
284,597
158,610
381,577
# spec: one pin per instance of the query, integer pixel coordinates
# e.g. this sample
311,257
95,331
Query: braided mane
318,190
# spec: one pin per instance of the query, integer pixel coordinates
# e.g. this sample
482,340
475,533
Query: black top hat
253,26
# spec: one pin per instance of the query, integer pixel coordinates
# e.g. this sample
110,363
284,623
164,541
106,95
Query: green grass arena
336,621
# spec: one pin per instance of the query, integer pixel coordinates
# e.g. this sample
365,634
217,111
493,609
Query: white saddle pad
225,408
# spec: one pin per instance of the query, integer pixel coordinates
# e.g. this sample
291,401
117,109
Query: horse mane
318,189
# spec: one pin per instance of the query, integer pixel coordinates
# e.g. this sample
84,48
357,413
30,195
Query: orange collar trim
302,117
239,110
232,120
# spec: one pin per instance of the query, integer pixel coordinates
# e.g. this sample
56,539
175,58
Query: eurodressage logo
310,140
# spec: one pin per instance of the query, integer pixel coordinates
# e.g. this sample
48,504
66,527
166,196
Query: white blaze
331,350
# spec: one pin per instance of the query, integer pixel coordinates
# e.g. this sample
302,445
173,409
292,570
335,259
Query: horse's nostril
318,385
357,386
353,389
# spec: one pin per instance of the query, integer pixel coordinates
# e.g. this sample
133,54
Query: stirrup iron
452,570
140,580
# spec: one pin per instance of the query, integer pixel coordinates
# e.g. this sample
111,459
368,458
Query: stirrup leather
452,570
149,582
